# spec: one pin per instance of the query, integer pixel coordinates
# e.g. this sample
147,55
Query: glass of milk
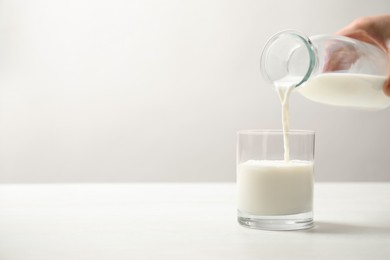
275,192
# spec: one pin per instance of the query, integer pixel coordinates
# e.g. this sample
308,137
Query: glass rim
275,132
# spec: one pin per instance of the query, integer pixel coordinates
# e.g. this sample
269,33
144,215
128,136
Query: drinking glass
274,193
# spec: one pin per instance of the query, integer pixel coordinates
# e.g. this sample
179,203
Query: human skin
374,30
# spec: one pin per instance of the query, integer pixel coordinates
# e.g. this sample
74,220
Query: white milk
284,91
275,187
348,90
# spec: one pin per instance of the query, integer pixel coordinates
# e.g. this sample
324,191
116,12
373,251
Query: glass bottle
329,69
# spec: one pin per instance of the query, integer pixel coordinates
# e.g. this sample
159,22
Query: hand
339,57
374,30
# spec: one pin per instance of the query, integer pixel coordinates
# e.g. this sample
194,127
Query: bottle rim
305,42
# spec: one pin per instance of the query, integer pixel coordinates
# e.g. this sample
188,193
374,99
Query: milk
275,187
347,90
284,90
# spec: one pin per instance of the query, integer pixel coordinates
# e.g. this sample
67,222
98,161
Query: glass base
280,222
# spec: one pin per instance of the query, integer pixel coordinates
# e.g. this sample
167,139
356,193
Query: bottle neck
288,58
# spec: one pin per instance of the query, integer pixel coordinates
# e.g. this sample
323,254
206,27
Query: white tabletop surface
183,221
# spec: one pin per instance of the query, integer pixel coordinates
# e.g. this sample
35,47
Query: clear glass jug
328,69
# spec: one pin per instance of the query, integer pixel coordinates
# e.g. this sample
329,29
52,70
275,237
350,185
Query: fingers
364,36
339,57
386,87
371,29
374,30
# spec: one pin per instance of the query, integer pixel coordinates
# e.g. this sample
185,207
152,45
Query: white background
96,91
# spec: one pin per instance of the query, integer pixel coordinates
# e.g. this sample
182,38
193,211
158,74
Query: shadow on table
321,227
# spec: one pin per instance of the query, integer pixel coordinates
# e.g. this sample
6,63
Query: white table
183,221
